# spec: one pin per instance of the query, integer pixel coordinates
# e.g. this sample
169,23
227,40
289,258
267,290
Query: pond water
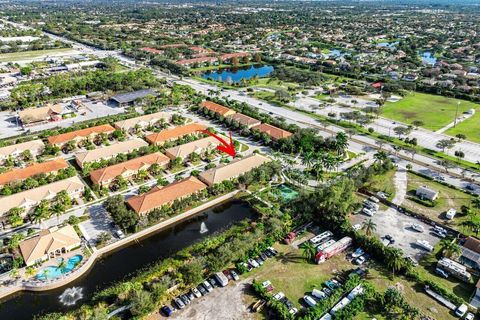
126,261
237,74
428,58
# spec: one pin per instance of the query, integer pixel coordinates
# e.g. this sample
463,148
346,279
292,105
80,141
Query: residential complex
80,135
175,133
198,146
35,147
47,167
143,121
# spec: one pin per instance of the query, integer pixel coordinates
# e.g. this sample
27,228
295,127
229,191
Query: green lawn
469,127
16,56
447,198
383,183
274,84
434,111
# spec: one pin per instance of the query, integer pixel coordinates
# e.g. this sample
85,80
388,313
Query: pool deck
87,263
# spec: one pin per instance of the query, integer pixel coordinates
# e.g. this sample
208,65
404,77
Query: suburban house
233,169
127,169
184,150
198,61
80,135
174,133
142,121
475,301
31,198
471,253
274,132
40,115
425,192
36,148
244,120
159,195
217,108
227,57
19,174
49,244
109,152
130,98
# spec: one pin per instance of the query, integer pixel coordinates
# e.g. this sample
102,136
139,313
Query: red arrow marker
228,148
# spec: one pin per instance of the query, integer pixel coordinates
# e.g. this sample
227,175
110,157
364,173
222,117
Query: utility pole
456,114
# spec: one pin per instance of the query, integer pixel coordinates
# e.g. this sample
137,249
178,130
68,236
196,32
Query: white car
418,227
278,296
357,227
360,260
368,212
358,252
309,300
253,263
469,316
293,311
196,293
207,286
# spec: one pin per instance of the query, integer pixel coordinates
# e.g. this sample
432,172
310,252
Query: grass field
18,56
469,127
383,183
434,111
274,84
447,198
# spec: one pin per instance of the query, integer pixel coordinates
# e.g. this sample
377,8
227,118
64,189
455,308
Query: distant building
175,133
217,108
198,146
20,174
274,132
49,244
80,135
36,147
244,120
40,115
424,192
130,98
233,169
142,121
160,196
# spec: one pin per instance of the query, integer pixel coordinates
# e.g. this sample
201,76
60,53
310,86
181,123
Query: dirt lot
398,226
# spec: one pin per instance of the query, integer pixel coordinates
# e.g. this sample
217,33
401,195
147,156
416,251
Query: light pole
456,113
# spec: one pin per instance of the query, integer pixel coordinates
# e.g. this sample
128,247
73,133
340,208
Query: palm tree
308,159
380,156
62,265
450,248
309,250
341,142
369,227
394,259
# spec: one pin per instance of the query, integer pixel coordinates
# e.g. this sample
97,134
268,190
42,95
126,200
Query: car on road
309,300
166,311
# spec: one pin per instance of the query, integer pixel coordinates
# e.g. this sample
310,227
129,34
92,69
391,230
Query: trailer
455,269
340,305
319,238
333,249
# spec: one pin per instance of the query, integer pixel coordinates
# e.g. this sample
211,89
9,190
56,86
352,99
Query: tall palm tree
394,259
308,159
309,251
341,143
369,226
450,248
380,157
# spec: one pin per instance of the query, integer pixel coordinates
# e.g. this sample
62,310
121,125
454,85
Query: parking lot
398,225
98,223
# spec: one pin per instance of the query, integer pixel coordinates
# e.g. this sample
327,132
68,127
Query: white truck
221,279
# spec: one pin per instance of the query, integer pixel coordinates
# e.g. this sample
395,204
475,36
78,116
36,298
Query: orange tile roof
197,60
65,137
151,50
244,120
32,170
217,108
174,133
159,196
272,131
227,56
109,173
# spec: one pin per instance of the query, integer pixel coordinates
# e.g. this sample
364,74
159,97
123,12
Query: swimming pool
53,272
287,192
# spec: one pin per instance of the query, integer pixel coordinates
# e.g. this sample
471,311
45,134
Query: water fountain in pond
71,295
203,228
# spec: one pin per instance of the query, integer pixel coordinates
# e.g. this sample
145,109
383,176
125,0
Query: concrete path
400,186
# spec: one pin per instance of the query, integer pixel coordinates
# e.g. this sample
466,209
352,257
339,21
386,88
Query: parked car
267,285
268,253
190,295
367,212
253,263
202,289
259,261
119,234
319,294
207,286
234,275
179,303
294,311
360,260
441,273
411,260
263,256
461,310
357,253
417,227
185,299
439,234
469,316
166,311
213,282
327,291
357,227
273,251
278,296
196,292
247,266
309,300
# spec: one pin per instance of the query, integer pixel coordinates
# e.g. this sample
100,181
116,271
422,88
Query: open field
469,127
447,198
292,275
434,111
274,84
383,183
18,56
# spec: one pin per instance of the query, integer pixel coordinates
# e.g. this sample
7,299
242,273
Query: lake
234,74
126,261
